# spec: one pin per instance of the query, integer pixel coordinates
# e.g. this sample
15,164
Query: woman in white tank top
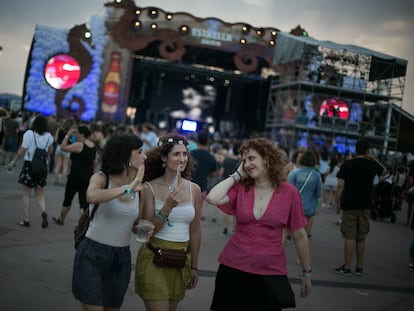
173,203
102,265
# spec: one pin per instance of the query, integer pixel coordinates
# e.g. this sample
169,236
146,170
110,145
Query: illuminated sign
62,71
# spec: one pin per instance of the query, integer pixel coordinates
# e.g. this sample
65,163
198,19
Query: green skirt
161,283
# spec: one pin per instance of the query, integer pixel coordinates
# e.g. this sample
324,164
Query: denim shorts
101,274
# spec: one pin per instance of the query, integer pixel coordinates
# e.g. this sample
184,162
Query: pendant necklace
263,194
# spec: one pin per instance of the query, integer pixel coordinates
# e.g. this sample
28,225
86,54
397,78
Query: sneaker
345,272
58,221
44,220
24,223
358,271
411,267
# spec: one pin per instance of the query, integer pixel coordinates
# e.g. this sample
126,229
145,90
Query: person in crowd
294,162
309,183
11,138
229,165
40,137
331,181
52,126
173,203
4,114
205,164
83,163
61,156
148,136
253,268
409,196
354,198
102,263
399,182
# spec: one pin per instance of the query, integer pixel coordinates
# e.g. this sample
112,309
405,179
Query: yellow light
169,17
138,12
272,42
154,26
243,41
88,34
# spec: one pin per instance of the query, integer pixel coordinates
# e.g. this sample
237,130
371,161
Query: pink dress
256,246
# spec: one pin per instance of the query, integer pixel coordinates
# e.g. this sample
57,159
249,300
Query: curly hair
154,165
272,154
117,152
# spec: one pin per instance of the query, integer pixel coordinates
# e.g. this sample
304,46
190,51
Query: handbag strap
95,207
306,181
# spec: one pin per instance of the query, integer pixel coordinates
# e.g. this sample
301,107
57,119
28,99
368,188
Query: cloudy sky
385,26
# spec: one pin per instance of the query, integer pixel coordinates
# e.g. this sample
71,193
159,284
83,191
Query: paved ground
36,263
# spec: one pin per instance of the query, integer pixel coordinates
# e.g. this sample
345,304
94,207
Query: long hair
271,153
154,165
117,153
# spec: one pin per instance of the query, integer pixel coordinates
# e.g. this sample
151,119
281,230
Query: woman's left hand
136,185
306,287
193,280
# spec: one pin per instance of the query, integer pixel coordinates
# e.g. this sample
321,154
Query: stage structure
143,64
329,94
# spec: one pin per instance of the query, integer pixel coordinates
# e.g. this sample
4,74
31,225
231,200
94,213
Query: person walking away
331,182
102,263
40,137
354,197
11,137
83,163
61,157
253,268
309,183
173,203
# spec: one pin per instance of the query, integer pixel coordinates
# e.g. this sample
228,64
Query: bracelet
128,192
194,268
162,216
305,273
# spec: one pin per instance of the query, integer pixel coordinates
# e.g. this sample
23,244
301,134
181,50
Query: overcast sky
385,26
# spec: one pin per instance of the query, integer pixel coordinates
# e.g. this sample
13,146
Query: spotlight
184,29
272,42
169,16
260,32
153,13
243,41
137,24
87,34
154,26
138,12
245,29
274,33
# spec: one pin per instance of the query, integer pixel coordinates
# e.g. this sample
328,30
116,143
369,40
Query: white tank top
178,227
112,223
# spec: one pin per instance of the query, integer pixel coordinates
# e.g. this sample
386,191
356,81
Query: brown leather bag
165,257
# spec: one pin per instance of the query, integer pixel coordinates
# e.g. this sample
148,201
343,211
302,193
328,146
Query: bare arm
302,248
195,237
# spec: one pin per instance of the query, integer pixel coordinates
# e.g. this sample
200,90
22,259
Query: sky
385,26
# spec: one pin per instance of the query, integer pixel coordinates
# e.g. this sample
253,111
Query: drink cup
143,228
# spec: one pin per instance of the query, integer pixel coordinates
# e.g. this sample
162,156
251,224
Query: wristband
305,273
128,191
164,218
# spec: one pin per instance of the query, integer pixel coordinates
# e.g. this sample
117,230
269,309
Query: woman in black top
83,160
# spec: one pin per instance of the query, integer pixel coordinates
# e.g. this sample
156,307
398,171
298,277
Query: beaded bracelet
128,192
164,218
305,273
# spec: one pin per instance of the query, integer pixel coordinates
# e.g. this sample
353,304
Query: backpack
38,169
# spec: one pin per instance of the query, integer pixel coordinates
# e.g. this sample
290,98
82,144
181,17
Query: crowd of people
266,197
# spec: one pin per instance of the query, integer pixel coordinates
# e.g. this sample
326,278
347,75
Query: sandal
58,221
24,223
44,220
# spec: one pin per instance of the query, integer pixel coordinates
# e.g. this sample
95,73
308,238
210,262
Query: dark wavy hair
117,152
39,125
153,163
84,129
308,158
272,155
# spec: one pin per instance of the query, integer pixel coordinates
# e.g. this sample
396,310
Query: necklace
263,194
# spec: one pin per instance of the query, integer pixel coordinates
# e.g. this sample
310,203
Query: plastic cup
144,226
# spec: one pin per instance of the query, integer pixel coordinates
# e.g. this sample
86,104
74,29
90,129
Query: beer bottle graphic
111,86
